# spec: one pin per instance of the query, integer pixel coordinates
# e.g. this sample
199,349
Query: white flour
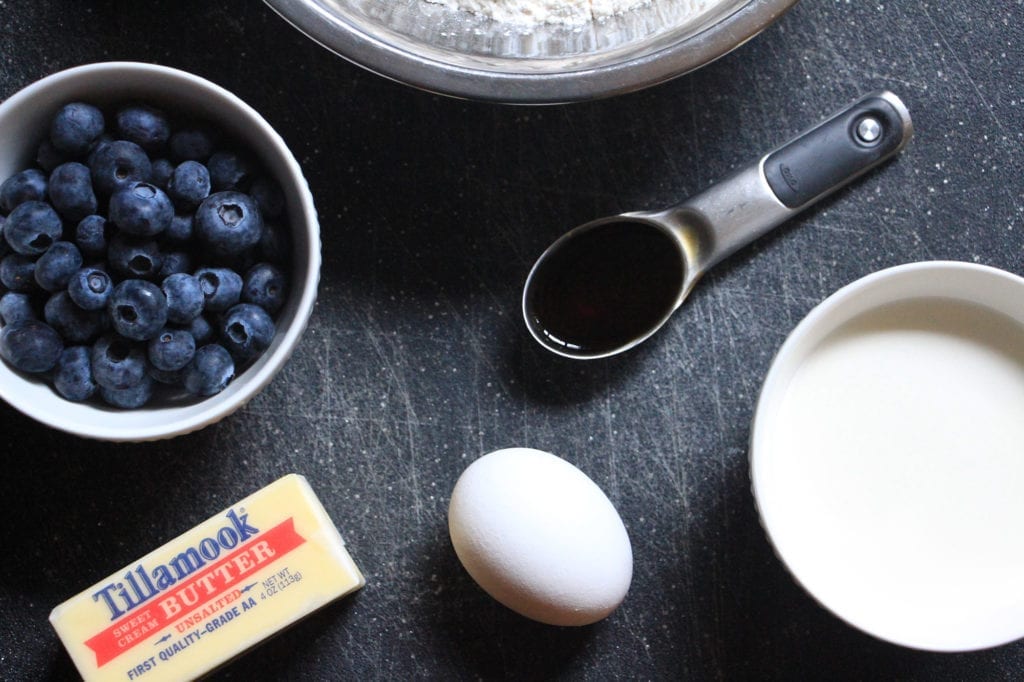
571,12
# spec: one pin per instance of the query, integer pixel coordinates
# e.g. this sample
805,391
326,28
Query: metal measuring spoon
609,284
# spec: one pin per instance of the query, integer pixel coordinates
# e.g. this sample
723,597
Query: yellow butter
210,594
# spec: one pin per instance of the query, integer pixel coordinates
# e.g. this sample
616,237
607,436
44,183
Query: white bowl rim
819,321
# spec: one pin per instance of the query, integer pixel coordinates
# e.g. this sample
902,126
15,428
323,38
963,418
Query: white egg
540,537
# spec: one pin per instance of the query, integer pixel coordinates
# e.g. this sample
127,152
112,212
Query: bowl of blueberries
159,251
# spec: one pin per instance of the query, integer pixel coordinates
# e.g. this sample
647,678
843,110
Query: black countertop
416,361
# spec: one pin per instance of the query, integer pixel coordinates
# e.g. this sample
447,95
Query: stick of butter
207,596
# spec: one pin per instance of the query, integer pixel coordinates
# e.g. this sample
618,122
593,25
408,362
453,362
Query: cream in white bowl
887,455
24,122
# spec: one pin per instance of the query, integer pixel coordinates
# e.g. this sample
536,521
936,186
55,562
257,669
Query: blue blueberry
143,125
117,363
210,371
15,307
30,345
192,144
170,377
141,210
229,223
118,164
32,227
268,196
201,330
28,185
104,140
229,170
90,288
175,262
222,288
134,257
5,248
18,273
138,309
48,157
129,398
246,331
185,298
171,349
55,267
266,286
189,185
92,234
162,171
76,127
74,324
180,229
275,244
72,377
71,191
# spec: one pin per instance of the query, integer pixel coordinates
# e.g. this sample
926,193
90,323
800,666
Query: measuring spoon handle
815,163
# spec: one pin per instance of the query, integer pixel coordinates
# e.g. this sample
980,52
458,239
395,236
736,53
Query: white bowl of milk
887,455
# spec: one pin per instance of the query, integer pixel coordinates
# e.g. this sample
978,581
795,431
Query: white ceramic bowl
24,121
887,455
429,45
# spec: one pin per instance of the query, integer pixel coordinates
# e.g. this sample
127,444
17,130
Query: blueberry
30,345
32,227
15,307
144,125
138,309
72,377
5,248
229,171
104,141
48,157
129,398
76,127
268,196
17,273
55,267
185,299
275,244
201,329
117,362
174,262
71,191
266,286
161,175
141,209
28,185
228,223
210,371
222,288
171,349
90,288
74,324
180,229
92,234
192,144
118,164
246,331
189,185
134,257
170,377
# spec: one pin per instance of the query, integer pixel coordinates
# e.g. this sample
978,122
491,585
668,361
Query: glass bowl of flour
531,51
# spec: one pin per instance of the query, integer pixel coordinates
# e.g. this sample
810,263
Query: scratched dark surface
416,361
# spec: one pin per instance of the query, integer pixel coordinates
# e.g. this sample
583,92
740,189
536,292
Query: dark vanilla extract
606,287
